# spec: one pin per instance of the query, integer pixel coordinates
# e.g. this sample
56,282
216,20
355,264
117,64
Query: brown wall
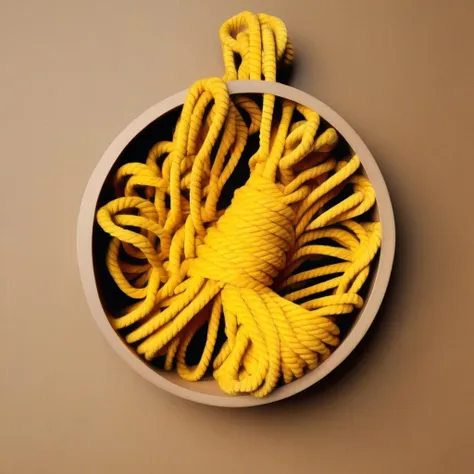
72,75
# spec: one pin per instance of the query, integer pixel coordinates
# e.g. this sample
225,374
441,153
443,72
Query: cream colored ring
207,392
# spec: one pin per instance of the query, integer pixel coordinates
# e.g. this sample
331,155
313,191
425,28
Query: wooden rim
365,317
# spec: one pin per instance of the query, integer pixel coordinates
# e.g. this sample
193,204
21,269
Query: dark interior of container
113,300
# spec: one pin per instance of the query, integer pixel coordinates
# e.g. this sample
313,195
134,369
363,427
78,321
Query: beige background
72,75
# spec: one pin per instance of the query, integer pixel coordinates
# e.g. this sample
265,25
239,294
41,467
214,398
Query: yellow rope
188,263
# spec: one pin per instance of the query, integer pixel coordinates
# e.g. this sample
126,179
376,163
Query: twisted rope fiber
189,264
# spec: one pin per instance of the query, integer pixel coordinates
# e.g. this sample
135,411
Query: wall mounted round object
91,246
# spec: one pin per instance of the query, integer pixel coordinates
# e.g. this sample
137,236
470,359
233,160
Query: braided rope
187,263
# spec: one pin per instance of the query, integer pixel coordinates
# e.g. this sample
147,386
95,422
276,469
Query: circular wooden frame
207,392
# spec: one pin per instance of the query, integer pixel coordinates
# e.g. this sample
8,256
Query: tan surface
73,75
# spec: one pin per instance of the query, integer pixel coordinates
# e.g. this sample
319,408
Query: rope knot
248,246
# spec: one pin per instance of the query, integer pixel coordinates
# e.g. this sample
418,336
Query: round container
132,142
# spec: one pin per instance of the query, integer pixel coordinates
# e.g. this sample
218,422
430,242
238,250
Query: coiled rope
189,263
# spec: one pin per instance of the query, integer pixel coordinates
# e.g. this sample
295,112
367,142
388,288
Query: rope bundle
190,264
